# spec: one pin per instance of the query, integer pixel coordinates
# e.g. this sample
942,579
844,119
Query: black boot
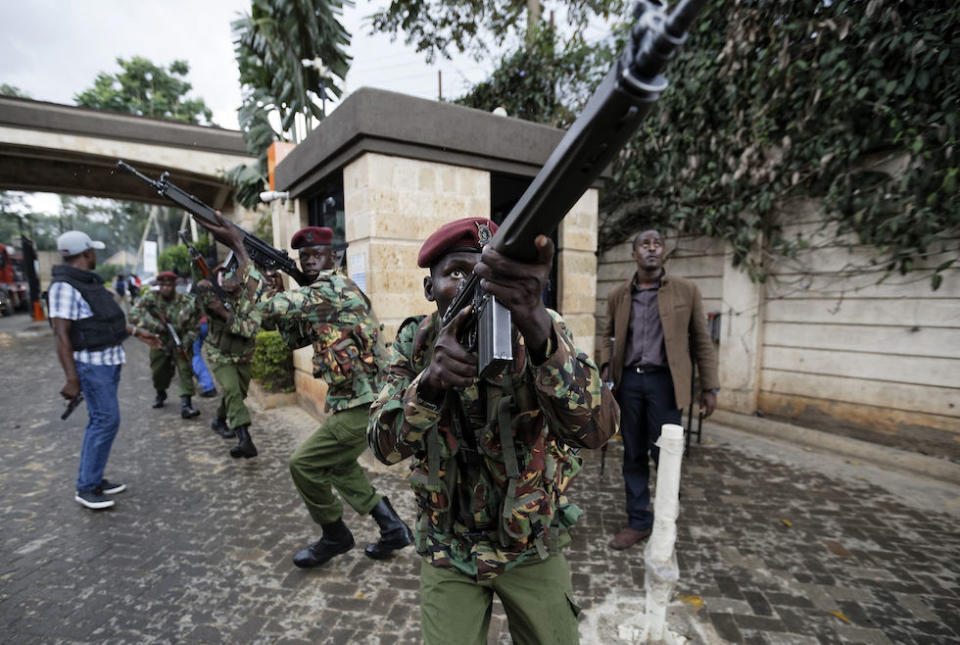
245,447
186,410
394,534
219,426
336,539
161,397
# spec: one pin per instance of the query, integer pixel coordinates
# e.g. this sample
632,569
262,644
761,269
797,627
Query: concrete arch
47,147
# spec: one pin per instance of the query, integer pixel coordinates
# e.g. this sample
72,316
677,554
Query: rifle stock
177,343
610,118
260,252
205,271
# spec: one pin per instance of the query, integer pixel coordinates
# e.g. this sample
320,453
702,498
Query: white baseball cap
75,243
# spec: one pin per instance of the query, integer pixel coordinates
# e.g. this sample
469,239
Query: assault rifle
260,252
205,271
610,118
177,343
72,405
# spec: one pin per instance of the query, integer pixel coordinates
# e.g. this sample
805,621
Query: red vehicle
13,281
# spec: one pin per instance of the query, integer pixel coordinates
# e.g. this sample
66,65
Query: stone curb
940,469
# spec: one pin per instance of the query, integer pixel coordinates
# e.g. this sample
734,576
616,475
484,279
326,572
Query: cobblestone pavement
776,544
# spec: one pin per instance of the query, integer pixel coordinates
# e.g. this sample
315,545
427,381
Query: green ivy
273,362
777,99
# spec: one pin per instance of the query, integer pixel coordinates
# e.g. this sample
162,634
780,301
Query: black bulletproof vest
108,326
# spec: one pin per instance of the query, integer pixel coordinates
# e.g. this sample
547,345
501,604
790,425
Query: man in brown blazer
654,325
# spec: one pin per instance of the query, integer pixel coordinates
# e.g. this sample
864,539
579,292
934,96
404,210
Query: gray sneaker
93,499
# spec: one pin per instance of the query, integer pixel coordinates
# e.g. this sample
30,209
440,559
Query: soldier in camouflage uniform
335,317
180,310
230,345
492,460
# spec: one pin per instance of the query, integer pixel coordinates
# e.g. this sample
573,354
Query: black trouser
647,401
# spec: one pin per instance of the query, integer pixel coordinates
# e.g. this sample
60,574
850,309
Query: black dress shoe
394,533
336,539
161,397
209,394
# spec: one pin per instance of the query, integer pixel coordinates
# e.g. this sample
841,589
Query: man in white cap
89,327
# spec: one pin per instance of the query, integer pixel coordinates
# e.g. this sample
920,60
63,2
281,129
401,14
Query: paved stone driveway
776,544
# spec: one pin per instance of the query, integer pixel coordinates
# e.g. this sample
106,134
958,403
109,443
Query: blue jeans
99,386
199,367
647,401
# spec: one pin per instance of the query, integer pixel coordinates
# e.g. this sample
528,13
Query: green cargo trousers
234,379
327,460
163,366
537,598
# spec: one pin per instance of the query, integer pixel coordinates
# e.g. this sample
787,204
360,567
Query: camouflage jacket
181,312
334,316
231,340
491,497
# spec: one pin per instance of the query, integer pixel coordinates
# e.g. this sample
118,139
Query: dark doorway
325,208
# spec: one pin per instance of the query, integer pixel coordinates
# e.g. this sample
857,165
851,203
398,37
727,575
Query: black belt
646,369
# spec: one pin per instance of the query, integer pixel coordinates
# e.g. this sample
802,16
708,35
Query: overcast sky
54,49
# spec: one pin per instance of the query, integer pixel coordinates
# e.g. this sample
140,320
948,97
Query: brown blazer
684,326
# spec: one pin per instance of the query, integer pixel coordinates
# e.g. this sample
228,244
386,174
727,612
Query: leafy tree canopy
270,44
540,81
478,27
16,216
146,89
11,90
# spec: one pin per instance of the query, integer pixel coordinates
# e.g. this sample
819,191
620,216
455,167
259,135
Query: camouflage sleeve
581,410
140,315
398,418
187,319
245,320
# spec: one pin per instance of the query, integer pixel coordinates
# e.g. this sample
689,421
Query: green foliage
270,44
108,271
15,216
119,225
264,228
477,27
146,89
176,259
11,90
778,99
273,362
538,82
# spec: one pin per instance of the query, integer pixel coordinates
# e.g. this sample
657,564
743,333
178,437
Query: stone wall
823,341
392,204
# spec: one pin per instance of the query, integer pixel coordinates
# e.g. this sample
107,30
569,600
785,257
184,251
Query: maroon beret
311,236
167,275
467,234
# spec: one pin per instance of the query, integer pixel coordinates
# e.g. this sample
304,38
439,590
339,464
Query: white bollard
660,560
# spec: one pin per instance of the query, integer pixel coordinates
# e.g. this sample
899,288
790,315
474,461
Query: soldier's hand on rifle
216,308
452,366
204,285
226,234
519,287
273,279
